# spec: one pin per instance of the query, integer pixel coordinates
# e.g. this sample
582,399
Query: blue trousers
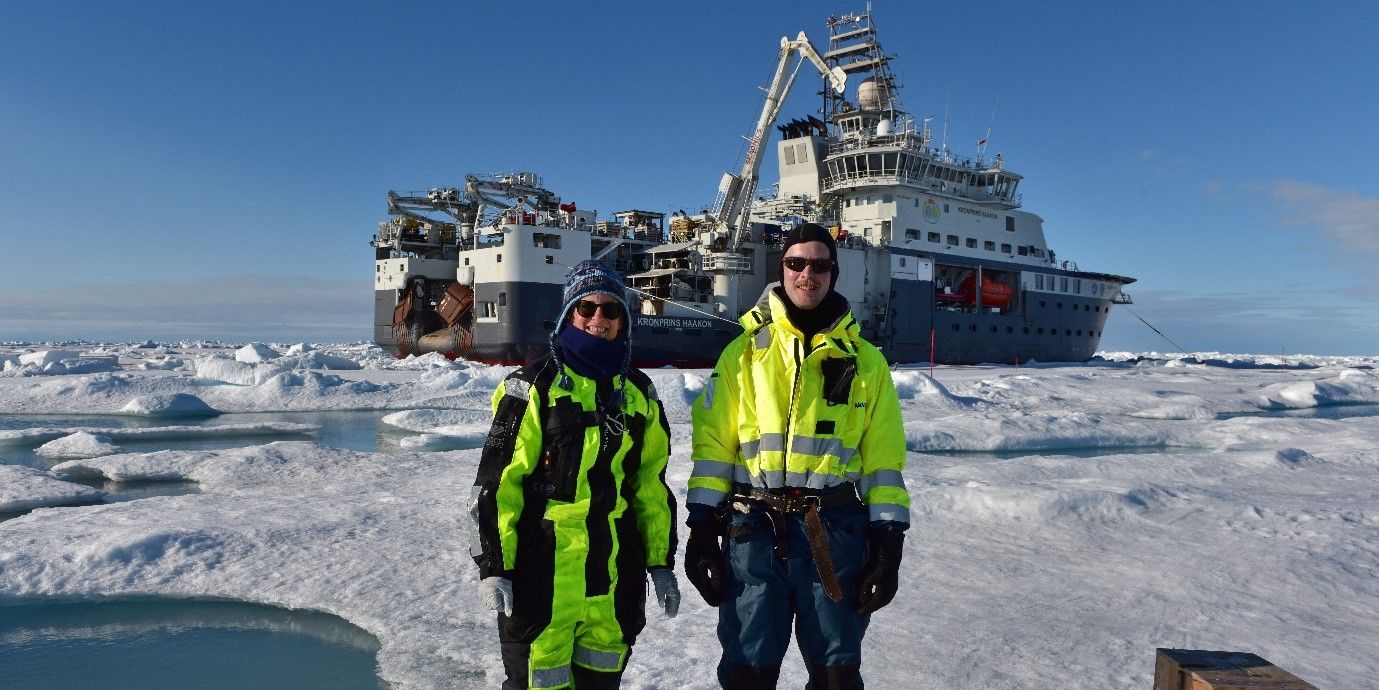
766,594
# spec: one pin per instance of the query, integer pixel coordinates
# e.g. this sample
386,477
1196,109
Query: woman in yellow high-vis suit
570,504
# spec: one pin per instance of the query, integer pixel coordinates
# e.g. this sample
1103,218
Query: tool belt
776,504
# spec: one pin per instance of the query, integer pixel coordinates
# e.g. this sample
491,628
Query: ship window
550,259
973,328
466,261
1010,223
1005,248
1079,332
1063,282
803,157
990,246
952,240
1010,330
993,329
911,234
887,198
1068,331
1035,251
500,259
1025,330
488,310
545,240
1077,285
916,203
847,202
933,237
945,208
957,327
790,155
1024,251
1039,281
1059,305
502,299
971,243
902,262
1041,331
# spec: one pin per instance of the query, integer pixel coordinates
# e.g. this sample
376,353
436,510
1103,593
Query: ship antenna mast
981,145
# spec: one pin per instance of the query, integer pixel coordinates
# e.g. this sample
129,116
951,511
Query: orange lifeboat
994,294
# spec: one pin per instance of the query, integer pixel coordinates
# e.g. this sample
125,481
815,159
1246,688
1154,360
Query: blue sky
215,170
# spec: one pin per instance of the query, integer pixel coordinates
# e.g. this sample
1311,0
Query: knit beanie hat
587,278
812,232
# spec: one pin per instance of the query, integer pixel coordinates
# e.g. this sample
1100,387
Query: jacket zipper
790,413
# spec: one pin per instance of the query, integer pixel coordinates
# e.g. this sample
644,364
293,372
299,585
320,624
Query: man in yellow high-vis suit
570,505
797,500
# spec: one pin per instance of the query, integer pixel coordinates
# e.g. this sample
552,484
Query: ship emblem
931,211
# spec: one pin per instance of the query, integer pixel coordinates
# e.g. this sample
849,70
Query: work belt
776,504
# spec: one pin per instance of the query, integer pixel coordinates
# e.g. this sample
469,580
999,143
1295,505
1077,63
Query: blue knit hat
587,278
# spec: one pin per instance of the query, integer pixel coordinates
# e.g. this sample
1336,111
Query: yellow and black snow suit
571,505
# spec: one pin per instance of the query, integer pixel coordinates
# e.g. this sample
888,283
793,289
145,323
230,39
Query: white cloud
1348,218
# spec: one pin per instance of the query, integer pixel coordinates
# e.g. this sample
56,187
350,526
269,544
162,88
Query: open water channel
159,643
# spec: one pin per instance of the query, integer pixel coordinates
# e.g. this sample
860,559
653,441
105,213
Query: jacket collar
771,309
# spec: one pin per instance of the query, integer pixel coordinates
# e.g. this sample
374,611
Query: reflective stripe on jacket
778,412
552,457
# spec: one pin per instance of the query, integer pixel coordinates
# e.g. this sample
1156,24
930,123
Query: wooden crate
1196,669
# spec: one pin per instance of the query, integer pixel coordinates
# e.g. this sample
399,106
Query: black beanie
812,232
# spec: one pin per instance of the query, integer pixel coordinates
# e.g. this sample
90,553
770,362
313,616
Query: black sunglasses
797,264
611,310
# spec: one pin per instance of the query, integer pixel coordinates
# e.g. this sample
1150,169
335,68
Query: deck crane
737,190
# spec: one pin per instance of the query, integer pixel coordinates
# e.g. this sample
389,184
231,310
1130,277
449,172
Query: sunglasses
797,264
611,310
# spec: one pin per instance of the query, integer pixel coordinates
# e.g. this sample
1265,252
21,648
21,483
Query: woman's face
598,323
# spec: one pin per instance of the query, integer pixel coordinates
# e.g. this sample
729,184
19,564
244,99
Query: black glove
704,564
880,576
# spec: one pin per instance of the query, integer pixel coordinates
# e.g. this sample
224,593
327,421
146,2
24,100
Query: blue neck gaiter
592,356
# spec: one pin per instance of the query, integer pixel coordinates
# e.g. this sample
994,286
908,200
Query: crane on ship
735,191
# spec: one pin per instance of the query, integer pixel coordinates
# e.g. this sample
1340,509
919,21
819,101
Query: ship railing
1122,297
726,262
907,140
834,182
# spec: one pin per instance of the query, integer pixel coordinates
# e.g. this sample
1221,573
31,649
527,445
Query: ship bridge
903,159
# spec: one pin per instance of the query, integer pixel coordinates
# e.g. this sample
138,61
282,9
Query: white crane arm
738,192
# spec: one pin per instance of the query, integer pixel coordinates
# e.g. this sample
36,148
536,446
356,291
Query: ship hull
1046,328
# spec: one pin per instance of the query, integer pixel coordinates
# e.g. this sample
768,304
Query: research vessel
938,259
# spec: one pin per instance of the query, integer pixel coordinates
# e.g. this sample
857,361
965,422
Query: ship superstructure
937,259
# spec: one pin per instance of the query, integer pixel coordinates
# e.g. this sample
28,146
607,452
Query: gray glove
496,593
667,590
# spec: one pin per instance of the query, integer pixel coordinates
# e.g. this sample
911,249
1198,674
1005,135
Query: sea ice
253,353
169,405
82,444
25,488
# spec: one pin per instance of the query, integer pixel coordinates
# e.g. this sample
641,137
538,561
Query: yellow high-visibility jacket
778,412
554,459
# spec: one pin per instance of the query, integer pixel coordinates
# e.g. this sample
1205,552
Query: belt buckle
796,503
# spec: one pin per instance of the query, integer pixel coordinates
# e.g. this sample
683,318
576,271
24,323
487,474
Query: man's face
597,323
807,287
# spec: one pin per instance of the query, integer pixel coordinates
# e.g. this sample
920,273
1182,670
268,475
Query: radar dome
869,95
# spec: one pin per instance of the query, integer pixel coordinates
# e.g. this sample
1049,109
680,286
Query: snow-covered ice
81,444
1067,519
25,488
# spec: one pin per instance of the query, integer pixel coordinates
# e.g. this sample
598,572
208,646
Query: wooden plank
1196,669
